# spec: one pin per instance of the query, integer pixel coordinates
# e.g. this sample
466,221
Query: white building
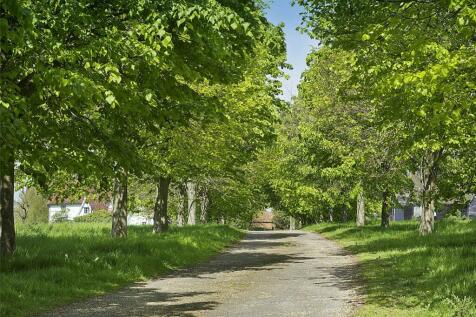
68,210
138,220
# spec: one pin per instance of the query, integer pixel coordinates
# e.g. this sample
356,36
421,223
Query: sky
298,44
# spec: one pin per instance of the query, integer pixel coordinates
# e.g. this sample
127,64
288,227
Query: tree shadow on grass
400,268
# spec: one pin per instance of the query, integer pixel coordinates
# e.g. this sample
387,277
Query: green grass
60,263
404,274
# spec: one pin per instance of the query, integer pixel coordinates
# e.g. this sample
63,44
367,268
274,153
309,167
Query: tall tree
415,59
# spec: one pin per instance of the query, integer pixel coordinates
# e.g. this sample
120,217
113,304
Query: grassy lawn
59,263
407,275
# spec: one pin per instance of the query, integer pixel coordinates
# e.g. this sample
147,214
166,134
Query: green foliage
98,216
91,92
61,216
105,91
280,220
398,266
56,264
215,150
32,207
329,149
415,64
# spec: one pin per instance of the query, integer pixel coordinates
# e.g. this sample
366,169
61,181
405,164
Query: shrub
61,216
99,216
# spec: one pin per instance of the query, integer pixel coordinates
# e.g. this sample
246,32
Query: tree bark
203,205
360,209
385,221
427,217
7,193
191,203
428,176
161,217
182,205
119,207
331,215
427,206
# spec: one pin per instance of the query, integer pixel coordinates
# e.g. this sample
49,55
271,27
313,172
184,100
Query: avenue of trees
387,107
173,106
137,98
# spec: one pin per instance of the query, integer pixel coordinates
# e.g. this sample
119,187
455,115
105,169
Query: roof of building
95,204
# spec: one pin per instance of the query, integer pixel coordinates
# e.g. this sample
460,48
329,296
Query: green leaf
3,26
111,99
166,42
4,104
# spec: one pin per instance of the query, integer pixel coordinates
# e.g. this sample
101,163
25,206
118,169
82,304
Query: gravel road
278,273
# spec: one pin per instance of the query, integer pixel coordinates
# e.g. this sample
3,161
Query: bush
99,216
280,220
61,216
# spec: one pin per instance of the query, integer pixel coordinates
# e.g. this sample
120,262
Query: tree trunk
331,216
119,207
182,205
292,223
7,193
191,203
385,223
427,204
161,217
427,217
203,206
360,209
428,176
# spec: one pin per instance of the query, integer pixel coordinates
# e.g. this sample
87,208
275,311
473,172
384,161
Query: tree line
104,95
385,112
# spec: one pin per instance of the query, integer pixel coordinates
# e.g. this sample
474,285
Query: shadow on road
140,301
146,301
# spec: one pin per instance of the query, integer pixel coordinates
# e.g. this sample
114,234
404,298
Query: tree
32,206
217,143
15,26
104,76
415,60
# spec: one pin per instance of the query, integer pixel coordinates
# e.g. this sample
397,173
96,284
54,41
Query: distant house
67,210
406,210
409,211
264,220
406,213
139,219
